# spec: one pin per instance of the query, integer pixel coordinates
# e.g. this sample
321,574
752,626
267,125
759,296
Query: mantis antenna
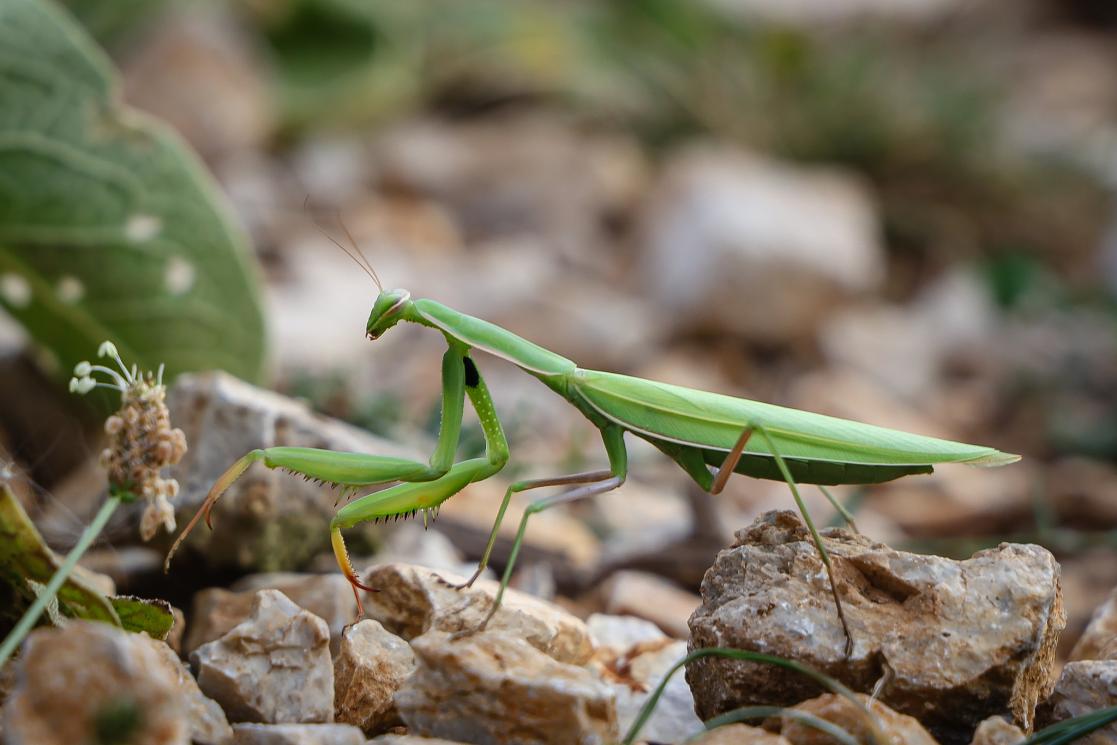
355,253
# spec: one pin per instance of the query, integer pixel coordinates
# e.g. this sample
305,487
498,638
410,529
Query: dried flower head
141,439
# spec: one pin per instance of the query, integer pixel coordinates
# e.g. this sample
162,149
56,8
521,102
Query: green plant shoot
710,436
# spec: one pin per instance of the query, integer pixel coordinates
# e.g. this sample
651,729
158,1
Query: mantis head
387,311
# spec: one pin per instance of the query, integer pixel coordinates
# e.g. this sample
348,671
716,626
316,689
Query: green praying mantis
710,436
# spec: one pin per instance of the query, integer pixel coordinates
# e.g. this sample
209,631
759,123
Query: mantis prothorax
709,435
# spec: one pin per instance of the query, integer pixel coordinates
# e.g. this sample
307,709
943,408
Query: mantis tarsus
710,436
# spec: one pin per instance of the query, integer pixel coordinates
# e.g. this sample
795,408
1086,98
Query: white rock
729,232
274,668
297,734
371,665
495,688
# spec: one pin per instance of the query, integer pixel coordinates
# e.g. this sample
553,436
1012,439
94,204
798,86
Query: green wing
714,422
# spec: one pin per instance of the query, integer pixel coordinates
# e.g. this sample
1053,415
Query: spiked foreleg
355,470
403,499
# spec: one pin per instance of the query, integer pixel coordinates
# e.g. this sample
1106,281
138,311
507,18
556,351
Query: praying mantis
710,436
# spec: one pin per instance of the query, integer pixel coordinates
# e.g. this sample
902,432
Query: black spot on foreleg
472,377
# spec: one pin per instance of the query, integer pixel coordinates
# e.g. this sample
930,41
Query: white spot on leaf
70,289
141,228
179,276
15,290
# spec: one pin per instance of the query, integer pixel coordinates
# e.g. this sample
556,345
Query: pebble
997,731
497,689
724,234
649,596
739,734
370,666
275,667
964,639
328,596
1083,687
73,683
297,734
896,728
413,600
1099,640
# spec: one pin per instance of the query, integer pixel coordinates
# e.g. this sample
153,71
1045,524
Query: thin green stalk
746,713
27,622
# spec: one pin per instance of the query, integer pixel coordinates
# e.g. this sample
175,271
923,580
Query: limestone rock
650,596
1084,686
206,722
410,740
964,639
268,520
1099,640
413,600
997,731
496,688
724,234
298,734
70,682
216,610
617,634
274,667
898,729
634,673
739,734
370,667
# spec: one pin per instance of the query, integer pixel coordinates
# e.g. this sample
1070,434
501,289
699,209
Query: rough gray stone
413,600
274,667
370,666
297,734
68,679
1083,687
1099,640
963,639
497,689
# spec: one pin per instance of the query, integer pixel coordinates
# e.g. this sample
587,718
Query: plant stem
27,622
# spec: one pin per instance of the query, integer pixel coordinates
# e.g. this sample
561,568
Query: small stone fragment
618,634
206,721
739,734
650,596
496,688
371,665
964,639
1084,686
899,729
413,600
274,667
410,740
328,596
297,734
997,731
634,673
88,679
1099,640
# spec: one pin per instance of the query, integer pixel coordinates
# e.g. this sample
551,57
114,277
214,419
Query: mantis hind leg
815,537
592,484
588,477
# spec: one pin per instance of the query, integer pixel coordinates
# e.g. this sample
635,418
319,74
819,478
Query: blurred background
899,212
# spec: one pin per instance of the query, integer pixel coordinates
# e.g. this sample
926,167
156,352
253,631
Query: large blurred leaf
109,227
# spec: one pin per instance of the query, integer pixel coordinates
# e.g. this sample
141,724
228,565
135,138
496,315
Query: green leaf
109,226
26,562
140,614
